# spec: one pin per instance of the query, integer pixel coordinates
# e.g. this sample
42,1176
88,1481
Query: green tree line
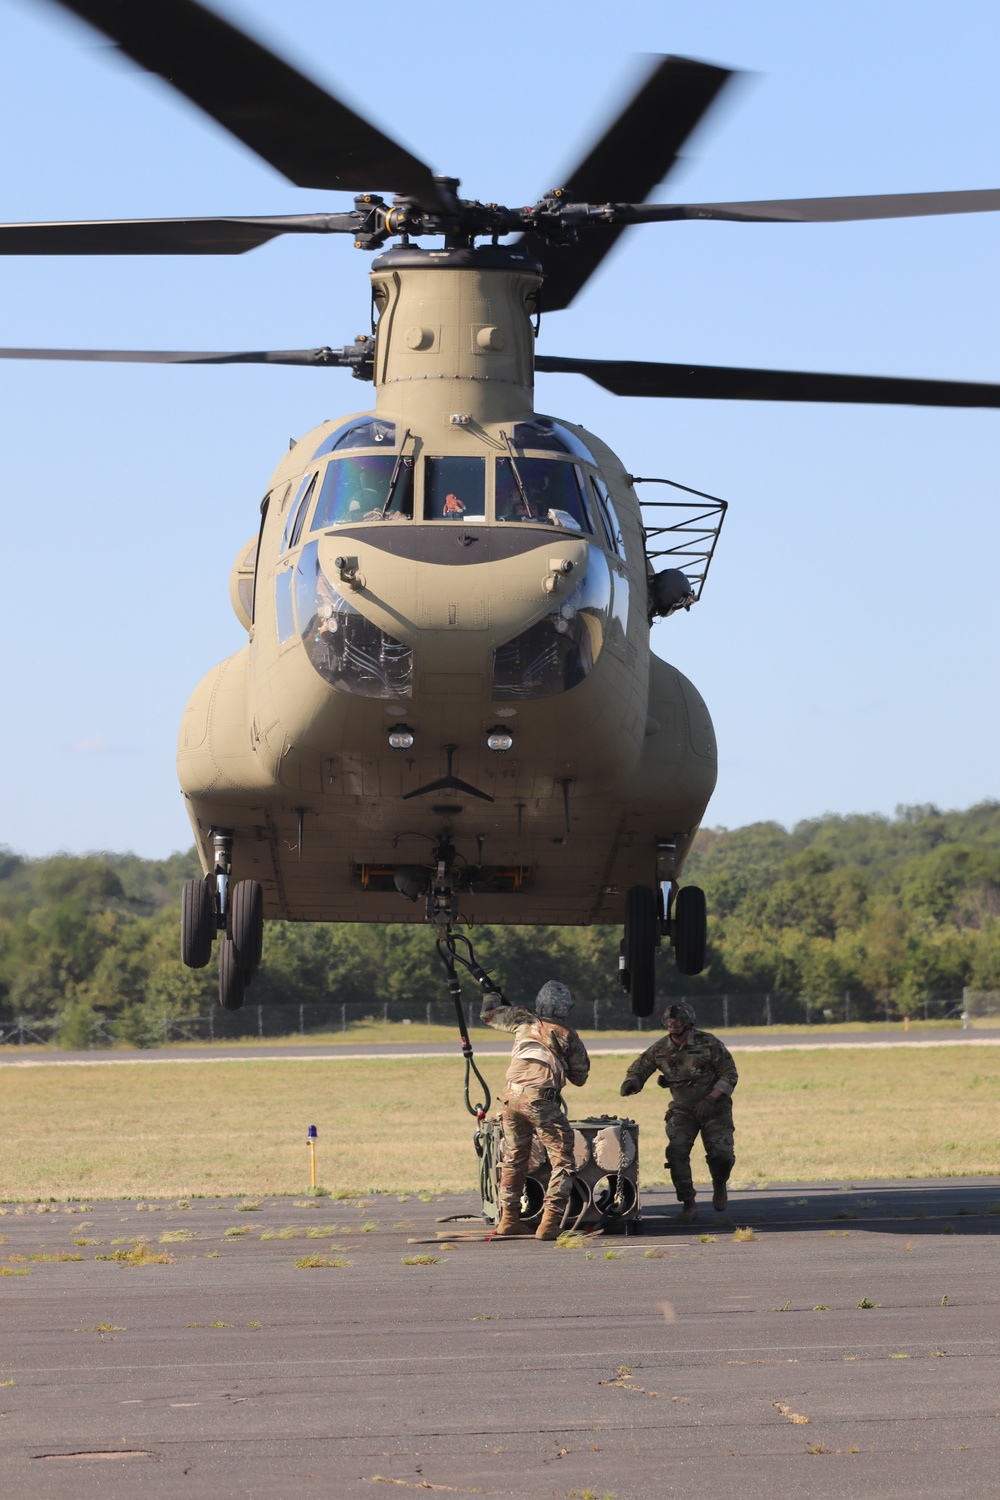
888,911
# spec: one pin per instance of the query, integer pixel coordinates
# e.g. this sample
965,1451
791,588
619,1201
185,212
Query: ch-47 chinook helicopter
447,691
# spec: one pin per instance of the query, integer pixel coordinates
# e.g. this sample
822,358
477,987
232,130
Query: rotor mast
455,343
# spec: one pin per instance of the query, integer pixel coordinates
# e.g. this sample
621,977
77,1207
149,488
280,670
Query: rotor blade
625,377
825,210
322,356
314,139
229,236
634,154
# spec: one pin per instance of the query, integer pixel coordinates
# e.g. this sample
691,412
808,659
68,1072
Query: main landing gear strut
234,909
655,913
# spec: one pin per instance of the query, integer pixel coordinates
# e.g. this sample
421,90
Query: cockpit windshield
455,489
374,487
541,489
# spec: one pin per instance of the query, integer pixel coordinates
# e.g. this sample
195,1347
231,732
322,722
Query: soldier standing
546,1054
700,1073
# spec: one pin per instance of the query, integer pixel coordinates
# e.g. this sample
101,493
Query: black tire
690,929
197,923
640,948
246,924
232,978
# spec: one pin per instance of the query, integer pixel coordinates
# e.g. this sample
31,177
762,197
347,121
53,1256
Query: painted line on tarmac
128,1062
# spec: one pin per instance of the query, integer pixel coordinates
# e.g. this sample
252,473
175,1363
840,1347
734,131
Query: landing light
401,737
499,739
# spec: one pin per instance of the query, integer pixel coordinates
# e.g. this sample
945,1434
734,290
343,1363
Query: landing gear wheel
232,978
690,929
640,948
197,923
246,924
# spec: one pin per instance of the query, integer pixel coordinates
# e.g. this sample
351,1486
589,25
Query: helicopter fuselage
448,630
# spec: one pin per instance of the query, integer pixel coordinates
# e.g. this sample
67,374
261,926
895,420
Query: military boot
510,1222
720,1196
550,1223
689,1212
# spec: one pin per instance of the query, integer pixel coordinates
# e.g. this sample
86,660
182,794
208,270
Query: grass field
153,1130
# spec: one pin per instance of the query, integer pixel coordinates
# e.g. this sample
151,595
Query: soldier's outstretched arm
643,1067
502,1016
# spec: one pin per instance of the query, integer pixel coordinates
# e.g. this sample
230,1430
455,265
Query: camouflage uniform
692,1071
545,1056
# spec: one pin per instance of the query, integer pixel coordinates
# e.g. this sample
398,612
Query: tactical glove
663,1082
705,1108
630,1086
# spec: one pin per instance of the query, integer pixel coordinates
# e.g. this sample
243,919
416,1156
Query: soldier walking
547,1053
700,1073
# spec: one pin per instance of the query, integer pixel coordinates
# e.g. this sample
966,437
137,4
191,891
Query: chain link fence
401,1022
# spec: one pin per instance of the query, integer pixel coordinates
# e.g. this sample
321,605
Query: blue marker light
313,1133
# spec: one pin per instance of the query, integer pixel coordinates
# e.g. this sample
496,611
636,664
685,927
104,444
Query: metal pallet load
605,1175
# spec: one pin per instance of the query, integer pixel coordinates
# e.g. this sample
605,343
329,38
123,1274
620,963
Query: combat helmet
678,1010
554,1001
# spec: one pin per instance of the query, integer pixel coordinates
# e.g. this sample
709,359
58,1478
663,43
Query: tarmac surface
763,1040
848,1349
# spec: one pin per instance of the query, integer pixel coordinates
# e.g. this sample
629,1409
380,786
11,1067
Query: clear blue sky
847,639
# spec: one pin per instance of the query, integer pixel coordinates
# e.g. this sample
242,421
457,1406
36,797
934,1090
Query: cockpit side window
609,516
297,514
541,489
455,489
370,487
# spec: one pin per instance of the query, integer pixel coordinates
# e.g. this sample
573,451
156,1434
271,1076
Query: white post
965,1007
343,1018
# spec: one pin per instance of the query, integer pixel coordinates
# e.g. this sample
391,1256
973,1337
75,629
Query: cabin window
541,489
609,516
359,432
455,489
347,650
549,436
378,487
559,651
297,514
244,588
283,605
